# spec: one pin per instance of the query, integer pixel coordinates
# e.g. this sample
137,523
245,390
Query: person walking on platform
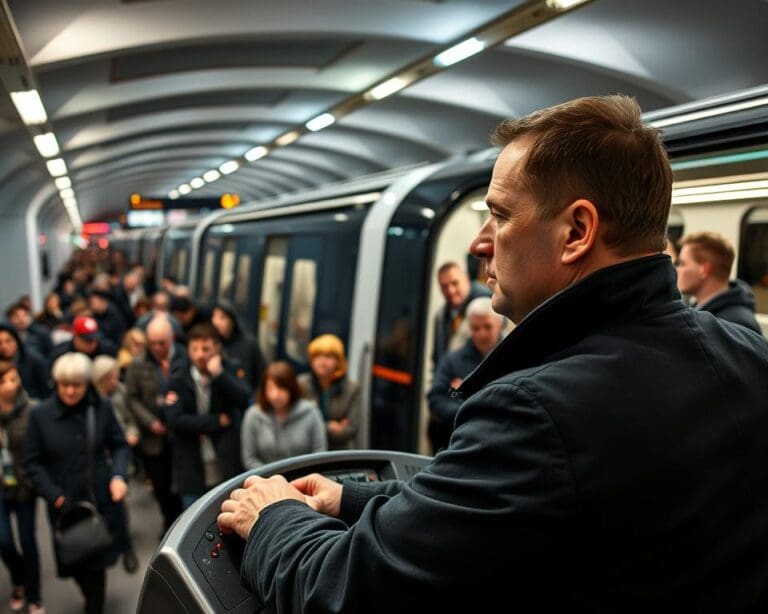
610,451
30,365
17,496
337,396
485,327
450,327
237,345
31,333
147,382
86,339
56,461
703,272
204,406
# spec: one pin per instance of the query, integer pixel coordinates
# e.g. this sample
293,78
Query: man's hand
132,439
322,494
117,488
214,367
241,511
224,420
59,503
157,427
456,382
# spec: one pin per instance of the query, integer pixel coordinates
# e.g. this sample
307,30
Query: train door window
179,264
243,281
753,255
301,309
227,269
208,271
273,280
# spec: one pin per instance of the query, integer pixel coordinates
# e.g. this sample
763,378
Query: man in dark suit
610,453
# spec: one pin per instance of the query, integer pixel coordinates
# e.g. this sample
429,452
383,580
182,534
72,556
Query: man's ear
581,223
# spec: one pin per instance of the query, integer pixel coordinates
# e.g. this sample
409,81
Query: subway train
359,259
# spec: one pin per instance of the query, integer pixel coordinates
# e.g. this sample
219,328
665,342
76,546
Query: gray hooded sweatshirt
266,439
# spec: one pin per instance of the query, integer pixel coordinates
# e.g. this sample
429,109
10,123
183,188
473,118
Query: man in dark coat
609,455
147,381
34,335
238,346
204,408
31,366
703,272
109,318
485,327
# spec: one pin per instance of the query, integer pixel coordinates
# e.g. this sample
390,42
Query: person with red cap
85,339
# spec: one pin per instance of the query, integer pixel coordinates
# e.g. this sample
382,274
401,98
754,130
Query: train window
753,255
273,281
179,264
208,270
227,269
301,309
243,281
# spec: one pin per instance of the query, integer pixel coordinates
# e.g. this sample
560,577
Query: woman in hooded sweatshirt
337,396
281,424
17,495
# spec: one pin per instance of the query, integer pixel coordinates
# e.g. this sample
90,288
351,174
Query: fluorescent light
321,121
70,202
256,153
713,112
47,145
63,183
229,167
67,193
564,5
184,188
211,176
387,88
459,52
173,194
30,107
197,182
721,187
287,138
56,167
719,197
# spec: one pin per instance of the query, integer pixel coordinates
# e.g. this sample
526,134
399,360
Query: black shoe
130,562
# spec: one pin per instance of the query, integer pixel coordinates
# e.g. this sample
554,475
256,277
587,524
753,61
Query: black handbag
82,532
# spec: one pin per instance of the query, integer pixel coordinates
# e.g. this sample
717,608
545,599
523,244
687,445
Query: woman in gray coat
281,424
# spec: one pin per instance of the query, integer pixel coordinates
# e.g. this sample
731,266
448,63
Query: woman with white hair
55,461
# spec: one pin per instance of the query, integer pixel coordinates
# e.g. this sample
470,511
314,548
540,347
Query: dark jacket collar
617,294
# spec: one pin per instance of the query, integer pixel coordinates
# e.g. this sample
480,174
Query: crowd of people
117,380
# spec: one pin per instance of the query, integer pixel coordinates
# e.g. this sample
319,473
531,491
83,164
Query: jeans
24,570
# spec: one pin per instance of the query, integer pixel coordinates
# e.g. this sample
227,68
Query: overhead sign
137,202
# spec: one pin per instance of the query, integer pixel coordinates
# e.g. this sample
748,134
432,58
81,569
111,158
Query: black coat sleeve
35,462
114,441
439,396
504,487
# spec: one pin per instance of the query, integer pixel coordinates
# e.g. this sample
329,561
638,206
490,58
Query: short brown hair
597,148
7,366
283,376
204,330
713,248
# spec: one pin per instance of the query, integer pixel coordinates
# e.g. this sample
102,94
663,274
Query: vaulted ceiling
144,95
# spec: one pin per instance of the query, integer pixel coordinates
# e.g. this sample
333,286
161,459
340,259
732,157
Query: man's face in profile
454,284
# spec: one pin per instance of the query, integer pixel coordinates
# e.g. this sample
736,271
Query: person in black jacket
609,452
238,346
204,409
703,272
86,339
109,318
31,366
34,335
55,461
485,326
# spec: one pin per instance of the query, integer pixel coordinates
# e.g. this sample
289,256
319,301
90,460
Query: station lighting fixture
713,112
62,183
47,145
173,194
719,192
457,53
196,183
184,188
321,121
386,88
56,167
564,5
67,193
256,153
229,167
30,107
211,176
287,138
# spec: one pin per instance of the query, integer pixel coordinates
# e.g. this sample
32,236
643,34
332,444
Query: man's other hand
322,494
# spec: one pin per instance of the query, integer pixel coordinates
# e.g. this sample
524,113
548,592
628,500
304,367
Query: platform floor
62,596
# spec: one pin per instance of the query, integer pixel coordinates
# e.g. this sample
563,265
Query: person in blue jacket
610,453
